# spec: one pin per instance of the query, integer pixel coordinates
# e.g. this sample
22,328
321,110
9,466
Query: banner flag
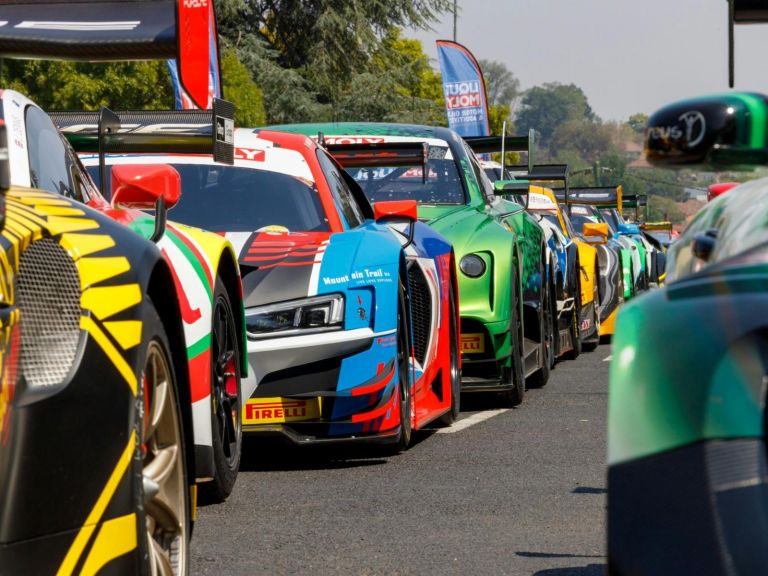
466,103
183,100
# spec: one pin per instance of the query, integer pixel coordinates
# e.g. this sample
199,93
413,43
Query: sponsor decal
225,130
364,276
463,95
691,128
586,324
250,154
280,410
195,3
335,140
472,344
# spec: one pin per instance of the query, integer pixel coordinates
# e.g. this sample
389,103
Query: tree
304,54
242,91
664,209
590,140
500,83
546,107
638,122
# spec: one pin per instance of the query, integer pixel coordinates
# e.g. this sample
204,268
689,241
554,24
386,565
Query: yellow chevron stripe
106,301
115,538
87,324
94,269
62,211
126,332
61,224
84,244
84,535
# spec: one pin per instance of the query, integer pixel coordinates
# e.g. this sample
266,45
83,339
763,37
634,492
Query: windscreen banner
182,98
466,103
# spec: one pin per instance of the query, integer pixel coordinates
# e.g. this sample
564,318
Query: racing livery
95,414
334,301
686,420
506,320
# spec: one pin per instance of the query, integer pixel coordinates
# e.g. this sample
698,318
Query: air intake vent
48,290
421,311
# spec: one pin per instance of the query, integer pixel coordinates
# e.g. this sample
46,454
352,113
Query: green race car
505,297
688,466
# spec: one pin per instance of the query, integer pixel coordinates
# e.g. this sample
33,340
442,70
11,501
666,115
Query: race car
545,202
687,487
96,445
351,311
505,302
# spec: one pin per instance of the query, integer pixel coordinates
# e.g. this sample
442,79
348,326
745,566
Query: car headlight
472,265
317,314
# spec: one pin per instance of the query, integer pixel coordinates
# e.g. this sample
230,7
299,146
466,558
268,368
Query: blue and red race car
351,313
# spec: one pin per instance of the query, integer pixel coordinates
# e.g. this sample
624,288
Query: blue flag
464,89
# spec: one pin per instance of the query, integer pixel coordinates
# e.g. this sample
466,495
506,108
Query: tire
165,514
450,417
591,346
575,332
403,375
541,376
226,399
514,374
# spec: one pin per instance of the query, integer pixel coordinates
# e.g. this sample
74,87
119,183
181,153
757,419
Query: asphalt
521,492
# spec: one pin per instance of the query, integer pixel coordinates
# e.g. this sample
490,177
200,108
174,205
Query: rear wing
602,196
556,175
380,154
151,131
99,31
490,144
656,226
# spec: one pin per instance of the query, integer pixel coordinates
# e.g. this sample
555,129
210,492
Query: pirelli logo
472,344
280,410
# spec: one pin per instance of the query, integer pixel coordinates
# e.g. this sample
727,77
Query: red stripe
376,386
307,263
200,376
188,314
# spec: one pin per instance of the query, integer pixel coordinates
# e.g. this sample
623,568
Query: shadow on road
556,555
591,570
475,401
589,490
277,455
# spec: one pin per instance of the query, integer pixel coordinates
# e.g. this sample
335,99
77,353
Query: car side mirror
146,187
596,233
398,210
395,210
704,243
723,131
518,188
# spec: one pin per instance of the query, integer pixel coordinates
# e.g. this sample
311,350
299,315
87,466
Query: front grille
421,312
48,288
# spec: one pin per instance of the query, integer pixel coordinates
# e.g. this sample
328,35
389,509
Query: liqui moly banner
464,89
201,16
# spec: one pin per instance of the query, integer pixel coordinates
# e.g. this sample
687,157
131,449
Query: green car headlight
472,265
318,314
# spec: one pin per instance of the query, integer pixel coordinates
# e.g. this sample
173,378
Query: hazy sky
627,56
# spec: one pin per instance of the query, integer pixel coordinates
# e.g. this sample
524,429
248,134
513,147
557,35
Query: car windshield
382,183
235,199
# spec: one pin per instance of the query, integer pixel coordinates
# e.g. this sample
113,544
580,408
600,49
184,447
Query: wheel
514,374
450,417
163,490
226,412
403,374
590,346
541,376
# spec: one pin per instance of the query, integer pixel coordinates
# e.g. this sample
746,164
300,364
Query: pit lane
520,492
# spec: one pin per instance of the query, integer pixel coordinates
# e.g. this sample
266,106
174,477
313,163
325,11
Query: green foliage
497,115
84,86
664,209
546,107
241,90
312,57
501,85
590,140
638,122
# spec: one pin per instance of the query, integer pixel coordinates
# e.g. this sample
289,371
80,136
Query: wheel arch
229,272
160,289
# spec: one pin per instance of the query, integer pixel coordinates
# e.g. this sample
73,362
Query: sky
627,56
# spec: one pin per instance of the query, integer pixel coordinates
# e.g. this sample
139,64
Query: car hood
463,226
277,266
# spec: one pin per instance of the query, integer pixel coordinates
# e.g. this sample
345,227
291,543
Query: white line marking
608,358
472,420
